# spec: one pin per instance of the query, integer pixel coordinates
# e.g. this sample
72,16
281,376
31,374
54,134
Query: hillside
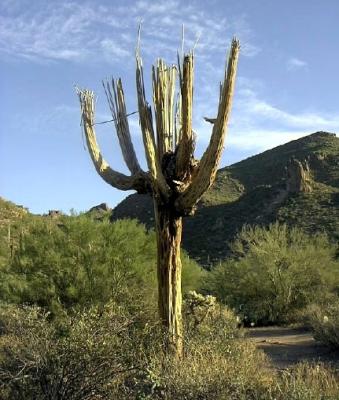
252,191
11,217
255,191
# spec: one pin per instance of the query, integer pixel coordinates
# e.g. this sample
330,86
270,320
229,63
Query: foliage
323,319
242,374
247,193
274,273
197,308
77,262
306,382
204,315
82,359
108,353
220,364
12,218
314,212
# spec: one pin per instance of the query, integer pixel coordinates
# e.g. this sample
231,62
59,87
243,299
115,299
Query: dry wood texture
175,179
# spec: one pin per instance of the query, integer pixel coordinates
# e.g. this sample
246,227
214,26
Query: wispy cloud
252,105
112,49
256,141
295,63
68,30
54,31
257,125
74,32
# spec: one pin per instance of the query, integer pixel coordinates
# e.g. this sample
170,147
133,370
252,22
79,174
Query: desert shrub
217,362
210,372
83,358
78,262
243,376
107,353
323,319
274,273
192,274
197,308
242,373
203,316
306,382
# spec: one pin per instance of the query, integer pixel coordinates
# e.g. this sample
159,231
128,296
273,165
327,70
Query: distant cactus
175,180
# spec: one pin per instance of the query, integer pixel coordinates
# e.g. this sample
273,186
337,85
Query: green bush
78,262
274,273
323,319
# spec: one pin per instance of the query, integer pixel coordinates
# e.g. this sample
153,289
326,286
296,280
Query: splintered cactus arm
207,169
186,140
120,181
164,80
160,186
116,100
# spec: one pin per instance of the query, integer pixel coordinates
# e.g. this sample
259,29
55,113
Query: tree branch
139,181
207,169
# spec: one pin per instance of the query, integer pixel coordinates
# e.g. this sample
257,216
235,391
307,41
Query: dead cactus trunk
175,180
169,229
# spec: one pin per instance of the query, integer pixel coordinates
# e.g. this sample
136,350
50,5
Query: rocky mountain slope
296,183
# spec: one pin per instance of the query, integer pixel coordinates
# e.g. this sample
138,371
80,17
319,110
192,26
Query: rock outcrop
101,208
298,177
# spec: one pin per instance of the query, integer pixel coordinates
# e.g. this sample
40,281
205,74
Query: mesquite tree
175,180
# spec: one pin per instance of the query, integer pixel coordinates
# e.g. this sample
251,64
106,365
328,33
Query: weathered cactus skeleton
175,179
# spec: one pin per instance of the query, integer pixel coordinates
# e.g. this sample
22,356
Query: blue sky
287,84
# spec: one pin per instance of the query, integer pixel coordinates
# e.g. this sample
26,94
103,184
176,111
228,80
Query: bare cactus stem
175,179
169,231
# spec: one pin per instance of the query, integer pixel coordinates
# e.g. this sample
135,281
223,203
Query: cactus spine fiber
175,179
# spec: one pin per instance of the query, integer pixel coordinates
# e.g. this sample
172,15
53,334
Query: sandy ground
288,346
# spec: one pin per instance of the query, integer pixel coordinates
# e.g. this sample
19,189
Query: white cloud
295,63
252,106
48,34
256,125
112,49
158,7
261,139
68,30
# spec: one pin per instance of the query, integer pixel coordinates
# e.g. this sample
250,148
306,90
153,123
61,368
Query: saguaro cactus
175,180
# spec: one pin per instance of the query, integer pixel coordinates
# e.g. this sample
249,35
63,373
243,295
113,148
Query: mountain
262,189
296,183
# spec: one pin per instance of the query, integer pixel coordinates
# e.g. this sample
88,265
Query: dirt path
288,346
